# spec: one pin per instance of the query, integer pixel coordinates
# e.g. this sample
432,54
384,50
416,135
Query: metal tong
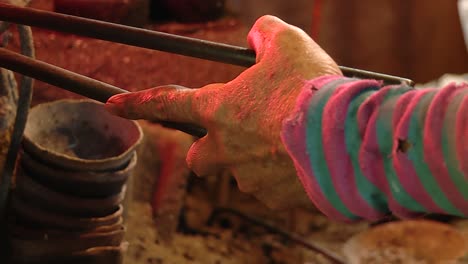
149,39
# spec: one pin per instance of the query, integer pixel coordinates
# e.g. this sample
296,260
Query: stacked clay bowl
70,184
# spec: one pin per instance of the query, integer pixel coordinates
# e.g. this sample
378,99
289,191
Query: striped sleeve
363,151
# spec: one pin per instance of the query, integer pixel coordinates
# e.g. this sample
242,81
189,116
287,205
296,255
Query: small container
71,182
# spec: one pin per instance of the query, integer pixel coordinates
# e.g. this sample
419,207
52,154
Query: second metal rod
76,83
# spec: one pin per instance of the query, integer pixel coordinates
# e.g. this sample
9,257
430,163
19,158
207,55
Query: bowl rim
27,159
26,185
23,209
18,231
36,148
38,234
94,250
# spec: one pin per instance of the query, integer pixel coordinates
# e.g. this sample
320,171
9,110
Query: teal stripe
368,191
416,155
384,132
449,145
315,146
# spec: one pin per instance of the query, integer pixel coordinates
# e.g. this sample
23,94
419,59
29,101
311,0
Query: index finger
164,103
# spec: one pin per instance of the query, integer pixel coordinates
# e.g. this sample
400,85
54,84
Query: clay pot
41,244
85,184
58,202
404,241
80,135
31,215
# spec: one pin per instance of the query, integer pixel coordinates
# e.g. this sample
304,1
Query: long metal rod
74,82
57,76
154,40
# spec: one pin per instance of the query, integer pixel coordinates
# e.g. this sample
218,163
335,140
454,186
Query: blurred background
419,39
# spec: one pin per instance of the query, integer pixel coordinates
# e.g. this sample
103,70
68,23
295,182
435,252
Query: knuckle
269,203
163,101
266,21
246,181
263,26
194,166
198,103
287,35
193,156
207,107
267,197
245,186
199,158
160,107
221,113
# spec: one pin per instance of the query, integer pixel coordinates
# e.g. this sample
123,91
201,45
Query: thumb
264,34
164,103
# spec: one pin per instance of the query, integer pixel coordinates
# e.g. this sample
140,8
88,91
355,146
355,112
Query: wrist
294,137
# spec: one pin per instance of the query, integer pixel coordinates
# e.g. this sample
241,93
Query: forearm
362,150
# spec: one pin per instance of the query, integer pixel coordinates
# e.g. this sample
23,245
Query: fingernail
114,104
112,108
116,99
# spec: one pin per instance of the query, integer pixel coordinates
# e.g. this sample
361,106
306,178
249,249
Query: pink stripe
433,153
294,135
336,154
462,135
403,166
370,159
369,155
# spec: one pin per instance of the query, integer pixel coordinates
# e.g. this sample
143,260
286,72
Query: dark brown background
419,39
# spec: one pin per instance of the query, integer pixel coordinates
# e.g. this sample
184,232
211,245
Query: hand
244,116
